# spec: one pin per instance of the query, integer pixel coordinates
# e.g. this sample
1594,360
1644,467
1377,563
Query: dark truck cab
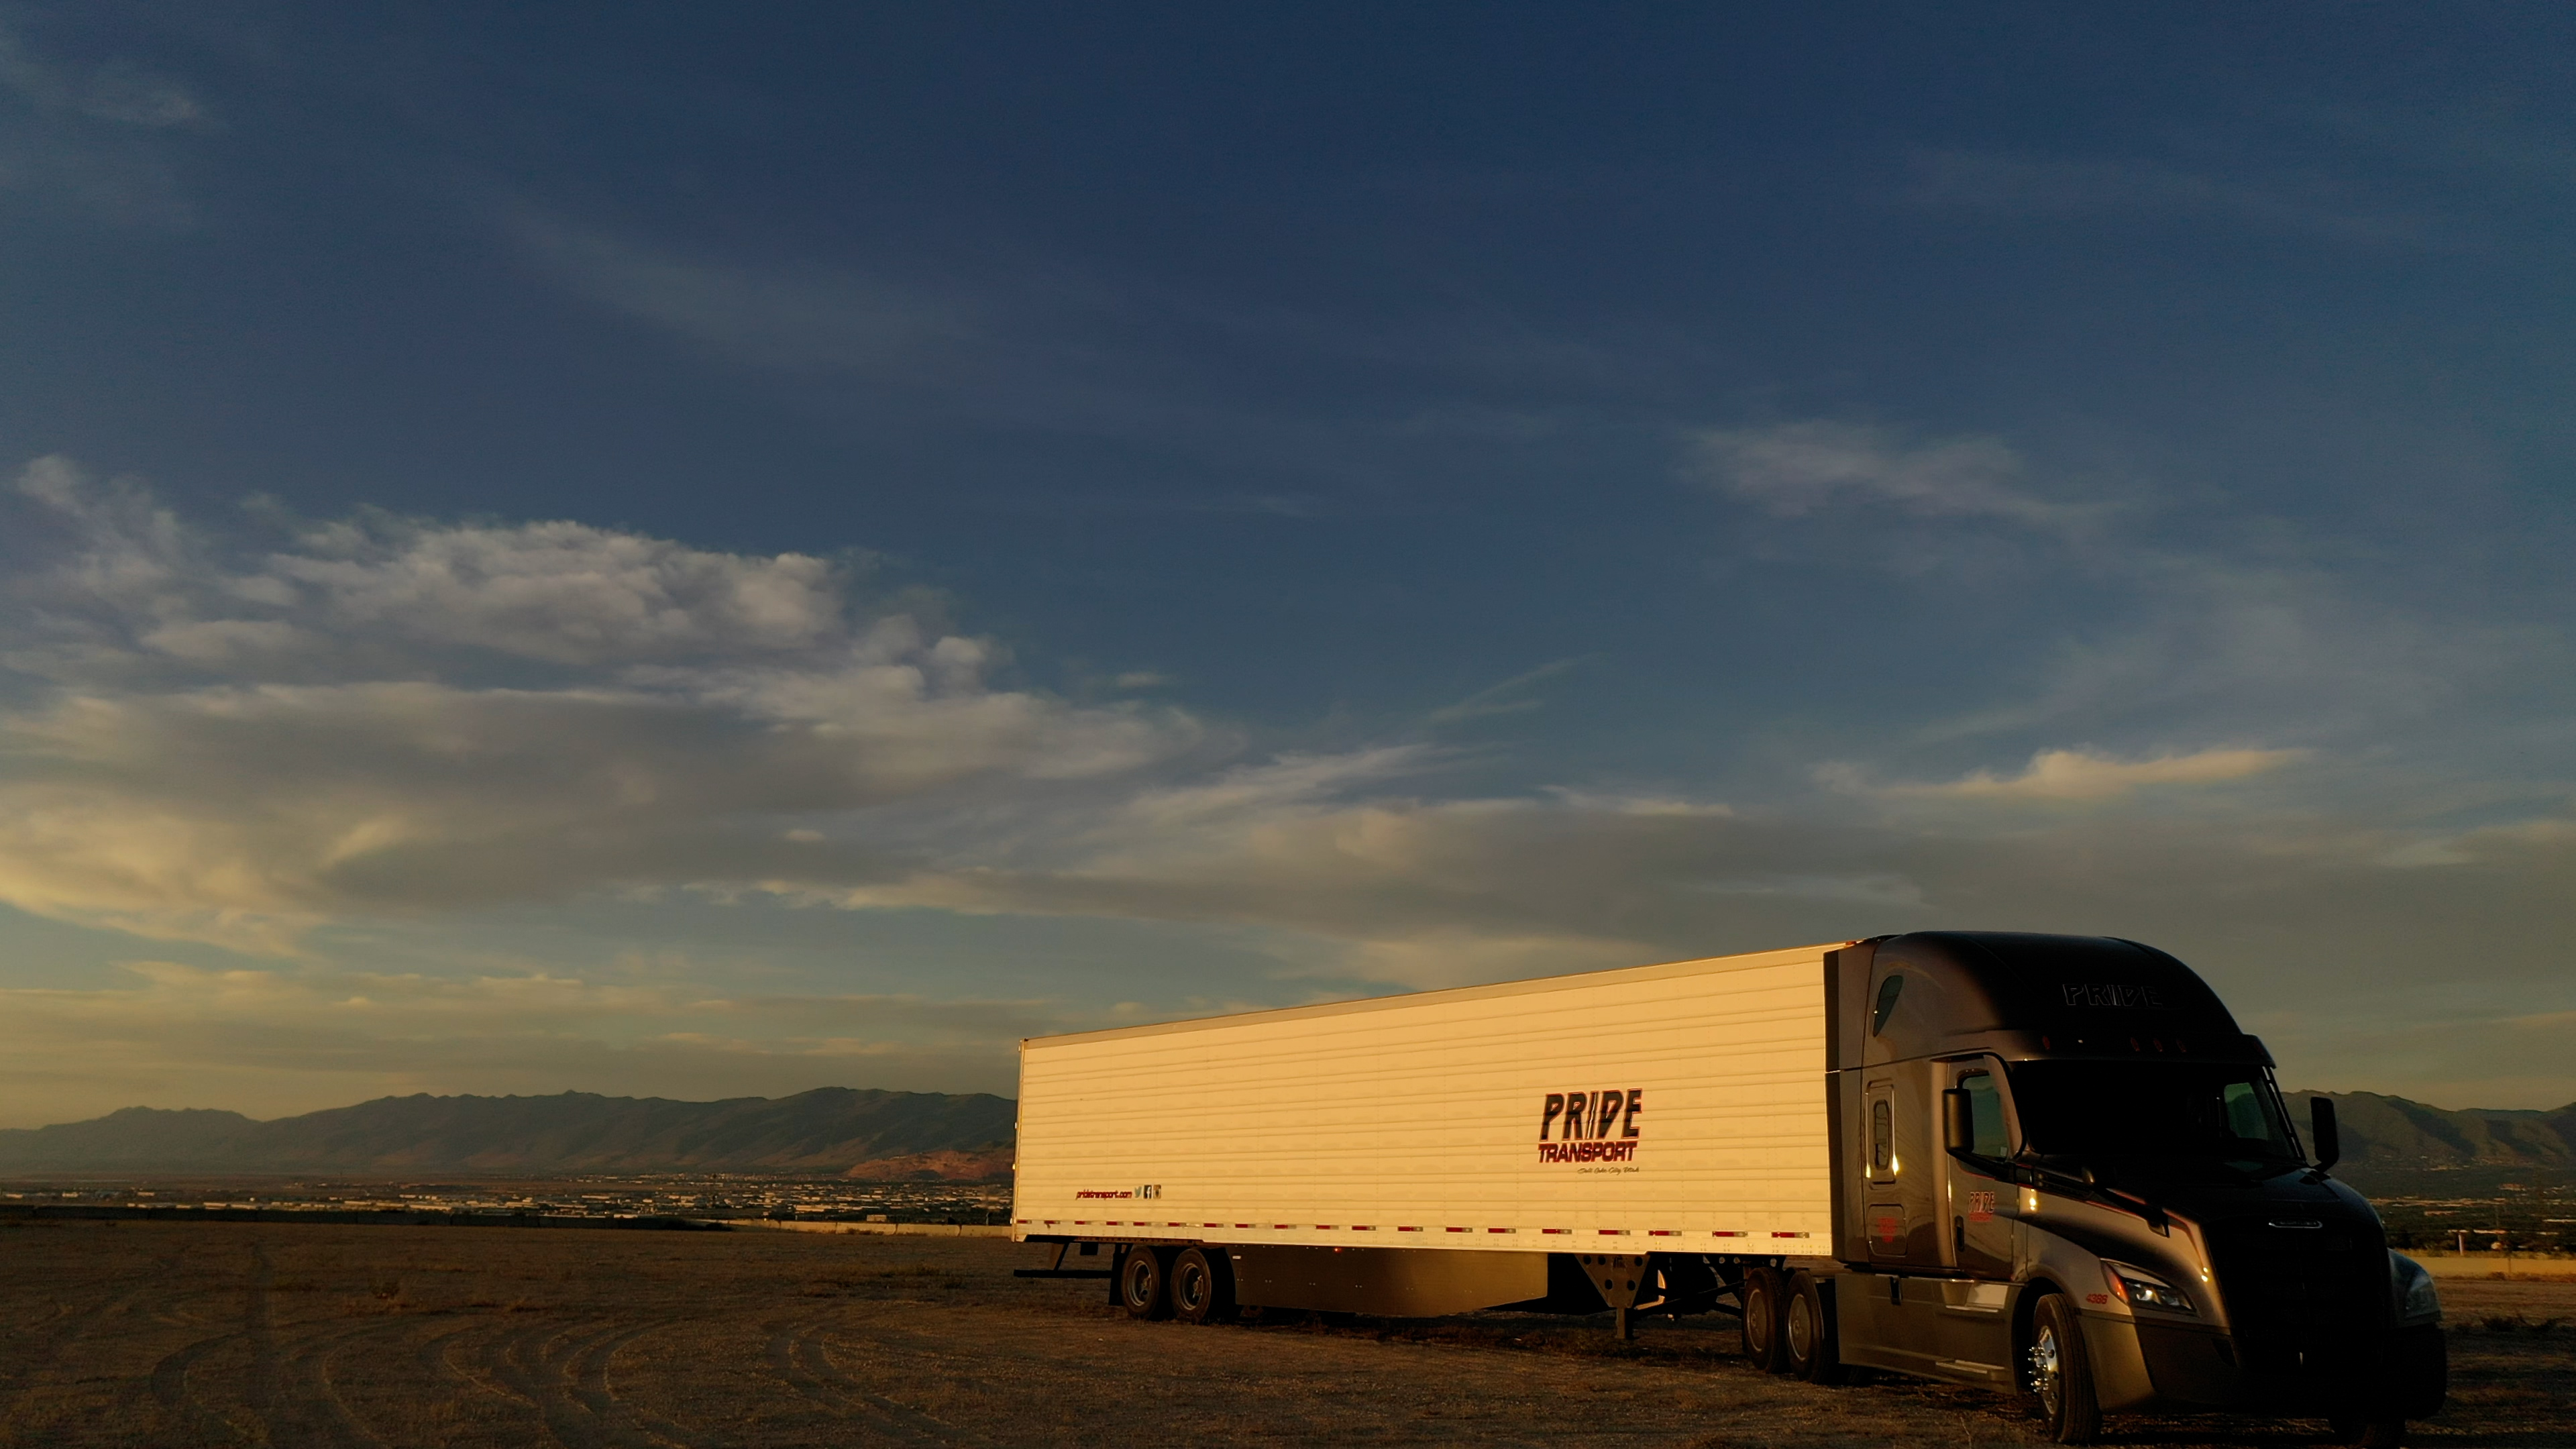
2062,1168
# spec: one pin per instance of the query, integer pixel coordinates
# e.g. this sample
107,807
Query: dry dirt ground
289,1335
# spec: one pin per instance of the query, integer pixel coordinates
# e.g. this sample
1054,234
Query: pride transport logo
1590,1126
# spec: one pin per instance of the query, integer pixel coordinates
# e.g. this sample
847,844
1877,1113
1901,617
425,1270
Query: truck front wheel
1144,1289
2058,1376
1762,1296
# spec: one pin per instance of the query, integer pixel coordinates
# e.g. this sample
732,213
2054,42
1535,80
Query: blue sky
689,552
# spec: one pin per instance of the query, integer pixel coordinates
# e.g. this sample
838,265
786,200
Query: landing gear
2058,1377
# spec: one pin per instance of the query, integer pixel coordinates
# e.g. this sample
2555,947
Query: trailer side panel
1663,1108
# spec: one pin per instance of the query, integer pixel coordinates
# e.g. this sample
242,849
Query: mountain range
886,1136
832,1130
2392,1132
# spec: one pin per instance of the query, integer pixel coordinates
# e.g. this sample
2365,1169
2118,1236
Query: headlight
2416,1300
2141,1289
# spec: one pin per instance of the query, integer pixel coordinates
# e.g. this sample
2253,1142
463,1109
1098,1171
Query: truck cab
2063,1169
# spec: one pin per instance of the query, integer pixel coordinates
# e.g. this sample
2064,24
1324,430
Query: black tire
1202,1288
2368,1432
2058,1376
1144,1283
2418,1372
1764,1295
1807,1333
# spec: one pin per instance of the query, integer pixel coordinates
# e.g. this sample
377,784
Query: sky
704,551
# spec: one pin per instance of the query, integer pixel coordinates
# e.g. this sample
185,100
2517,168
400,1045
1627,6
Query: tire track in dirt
434,1354
170,1375
70,1323
306,1375
562,1372
290,1402
589,1374
263,1391
437,1355
515,1360
170,1386
800,1355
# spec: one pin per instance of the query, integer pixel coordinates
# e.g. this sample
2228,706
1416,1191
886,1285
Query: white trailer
1667,1106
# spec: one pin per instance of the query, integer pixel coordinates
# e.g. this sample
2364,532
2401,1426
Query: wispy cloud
1801,468
2139,189
1032,341
2487,844
93,141
2209,645
2080,776
1512,696
118,91
794,317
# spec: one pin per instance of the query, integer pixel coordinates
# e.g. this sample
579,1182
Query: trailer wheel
1202,1290
1762,1294
2059,1377
1144,1289
1807,1334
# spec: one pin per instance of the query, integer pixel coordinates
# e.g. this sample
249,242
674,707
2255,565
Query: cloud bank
266,746
390,715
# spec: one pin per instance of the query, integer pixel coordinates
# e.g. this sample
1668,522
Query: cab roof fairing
2024,995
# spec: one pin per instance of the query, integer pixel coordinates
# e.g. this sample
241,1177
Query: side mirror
2321,1127
1958,1121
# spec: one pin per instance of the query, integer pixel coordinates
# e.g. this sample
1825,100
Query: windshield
2165,1110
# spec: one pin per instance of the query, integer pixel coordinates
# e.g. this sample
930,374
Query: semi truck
2050,1165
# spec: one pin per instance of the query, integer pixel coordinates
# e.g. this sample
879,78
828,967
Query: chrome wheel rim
1802,1329
1189,1290
1140,1284
2045,1370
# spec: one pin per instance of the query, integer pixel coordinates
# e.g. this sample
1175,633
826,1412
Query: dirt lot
292,1335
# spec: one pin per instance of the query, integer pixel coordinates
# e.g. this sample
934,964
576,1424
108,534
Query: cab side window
1986,1111
1888,991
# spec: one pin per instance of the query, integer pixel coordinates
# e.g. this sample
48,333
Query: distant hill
2392,1132
834,1130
